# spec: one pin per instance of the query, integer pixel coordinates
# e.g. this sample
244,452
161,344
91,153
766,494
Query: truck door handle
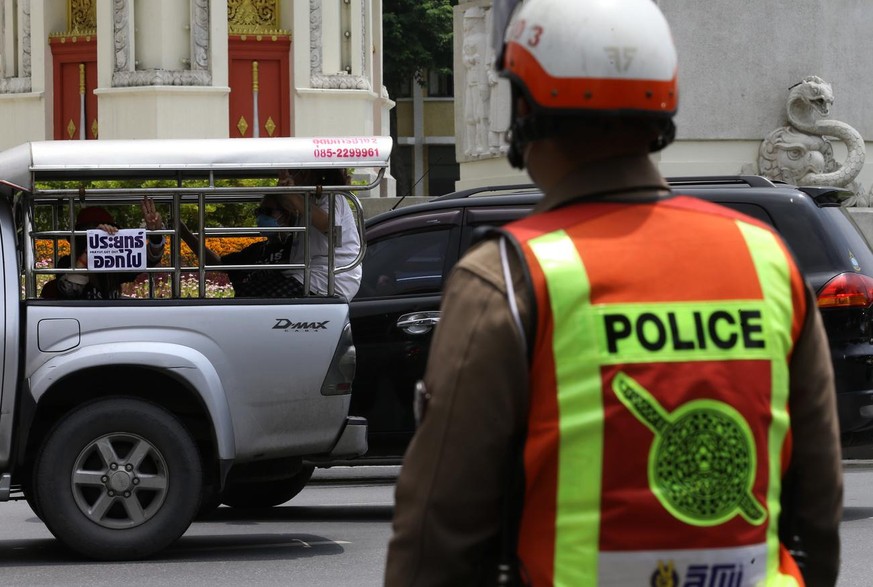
418,322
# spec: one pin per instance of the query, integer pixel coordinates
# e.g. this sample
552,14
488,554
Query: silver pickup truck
123,419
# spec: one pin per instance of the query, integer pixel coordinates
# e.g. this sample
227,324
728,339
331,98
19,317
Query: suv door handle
418,322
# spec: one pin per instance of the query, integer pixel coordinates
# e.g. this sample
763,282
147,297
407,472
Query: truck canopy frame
28,171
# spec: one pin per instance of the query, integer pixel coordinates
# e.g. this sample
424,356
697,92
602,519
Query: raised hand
152,217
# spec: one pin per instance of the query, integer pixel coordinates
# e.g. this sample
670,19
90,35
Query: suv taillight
847,290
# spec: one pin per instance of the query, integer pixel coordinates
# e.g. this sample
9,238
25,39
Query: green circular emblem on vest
702,460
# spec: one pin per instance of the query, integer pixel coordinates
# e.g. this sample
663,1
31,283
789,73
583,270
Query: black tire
265,494
118,479
30,496
210,502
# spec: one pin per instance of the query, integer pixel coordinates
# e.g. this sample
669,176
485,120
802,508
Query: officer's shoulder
482,250
482,258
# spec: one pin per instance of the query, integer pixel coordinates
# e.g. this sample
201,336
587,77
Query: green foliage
417,36
130,215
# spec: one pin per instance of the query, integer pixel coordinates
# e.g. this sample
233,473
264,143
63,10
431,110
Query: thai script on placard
123,251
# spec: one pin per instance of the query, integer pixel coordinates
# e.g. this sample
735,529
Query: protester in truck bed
102,285
286,210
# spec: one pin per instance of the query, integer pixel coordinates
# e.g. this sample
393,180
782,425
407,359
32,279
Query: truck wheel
31,499
265,494
209,503
118,479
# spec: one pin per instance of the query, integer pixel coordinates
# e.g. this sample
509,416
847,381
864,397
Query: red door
75,79
259,75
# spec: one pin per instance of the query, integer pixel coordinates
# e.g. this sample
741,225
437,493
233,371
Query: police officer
649,370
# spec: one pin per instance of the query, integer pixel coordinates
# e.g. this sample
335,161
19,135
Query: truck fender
186,363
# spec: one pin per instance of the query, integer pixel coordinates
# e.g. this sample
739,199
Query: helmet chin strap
665,137
532,128
527,129
515,135
515,154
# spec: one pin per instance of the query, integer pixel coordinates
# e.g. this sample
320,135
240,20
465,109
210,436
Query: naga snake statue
809,104
801,154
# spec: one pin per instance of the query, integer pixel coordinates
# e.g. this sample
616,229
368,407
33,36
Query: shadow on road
23,553
242,547
852,514
250,547
290,513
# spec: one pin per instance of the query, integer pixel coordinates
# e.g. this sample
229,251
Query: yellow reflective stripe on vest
775,279
580,409
667,332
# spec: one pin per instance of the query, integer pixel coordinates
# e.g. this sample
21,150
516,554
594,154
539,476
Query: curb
356,474
858,464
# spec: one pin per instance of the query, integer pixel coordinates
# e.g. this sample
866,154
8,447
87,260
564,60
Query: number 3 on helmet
592,57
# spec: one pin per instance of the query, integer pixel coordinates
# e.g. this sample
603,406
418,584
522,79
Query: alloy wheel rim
120,480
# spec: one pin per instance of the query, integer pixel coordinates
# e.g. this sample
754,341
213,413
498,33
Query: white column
162,30
107,11
331,38
7,40
218,63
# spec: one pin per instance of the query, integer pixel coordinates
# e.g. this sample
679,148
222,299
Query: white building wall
334,113
23,116
163,112
736,63
27,113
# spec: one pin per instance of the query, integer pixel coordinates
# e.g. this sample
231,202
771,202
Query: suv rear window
803,237
857,243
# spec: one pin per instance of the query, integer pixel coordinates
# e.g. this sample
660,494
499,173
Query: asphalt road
856,530
335,533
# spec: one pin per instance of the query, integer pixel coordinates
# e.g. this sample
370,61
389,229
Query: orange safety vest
658,430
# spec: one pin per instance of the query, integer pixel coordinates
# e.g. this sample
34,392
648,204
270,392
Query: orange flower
45,248
221,247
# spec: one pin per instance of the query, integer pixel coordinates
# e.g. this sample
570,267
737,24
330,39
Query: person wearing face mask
102,285
278,210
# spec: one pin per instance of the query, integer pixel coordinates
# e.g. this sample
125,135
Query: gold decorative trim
82,79
260,35
71,128
94,128
81,22
270,126
254,17
81,16
73,37
242,126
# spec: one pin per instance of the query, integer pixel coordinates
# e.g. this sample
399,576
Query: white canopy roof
47,160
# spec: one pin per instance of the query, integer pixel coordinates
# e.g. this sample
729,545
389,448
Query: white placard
123,251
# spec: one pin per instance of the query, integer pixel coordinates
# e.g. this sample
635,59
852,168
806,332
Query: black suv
411,250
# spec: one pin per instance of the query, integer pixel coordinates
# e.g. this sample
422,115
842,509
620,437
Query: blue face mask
267,221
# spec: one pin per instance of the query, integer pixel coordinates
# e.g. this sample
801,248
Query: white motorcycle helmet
589,58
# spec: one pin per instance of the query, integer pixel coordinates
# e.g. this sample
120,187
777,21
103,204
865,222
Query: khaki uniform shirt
455,472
